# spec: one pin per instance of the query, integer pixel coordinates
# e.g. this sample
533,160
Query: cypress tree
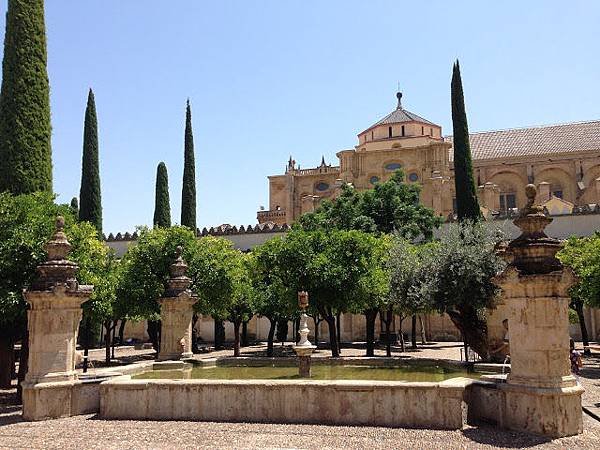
75,206
25,150
90,201
466,196
188,192
162,208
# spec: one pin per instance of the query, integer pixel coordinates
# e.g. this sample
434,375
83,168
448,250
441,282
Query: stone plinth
55,298
304,353
541,395
176,335
176,311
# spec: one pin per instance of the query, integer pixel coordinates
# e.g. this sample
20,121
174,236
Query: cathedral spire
323,161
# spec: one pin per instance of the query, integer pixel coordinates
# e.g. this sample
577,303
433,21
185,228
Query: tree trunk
113,339
370,317
107,335
272,324
402,343
413,332
85,330
154,334
584,334
423,335
122,331
317,321
7,361
219,335
473,329
23,363
245,342
388,343
338,330
195,348
333,341
236,339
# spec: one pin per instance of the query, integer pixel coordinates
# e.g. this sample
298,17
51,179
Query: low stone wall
378,403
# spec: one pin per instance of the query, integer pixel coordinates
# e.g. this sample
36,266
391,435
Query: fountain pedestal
176,311
51,388
304,348
540,395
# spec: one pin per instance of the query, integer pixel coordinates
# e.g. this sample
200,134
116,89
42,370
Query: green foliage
25,151
220,276
162,206
99,267
75,207
341,270
391,206
459,269
145,270
407,277
188,192
583,256
26,224
274,298
90,209
466,195
456,278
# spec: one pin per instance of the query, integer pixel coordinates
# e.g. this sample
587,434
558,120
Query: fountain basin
341,402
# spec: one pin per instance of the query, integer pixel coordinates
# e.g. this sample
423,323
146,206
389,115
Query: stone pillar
541,395
437,193
54,314
597,190
176,311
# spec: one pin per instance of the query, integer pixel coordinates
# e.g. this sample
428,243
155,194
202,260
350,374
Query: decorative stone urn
54,299
176,311
304,348
540,395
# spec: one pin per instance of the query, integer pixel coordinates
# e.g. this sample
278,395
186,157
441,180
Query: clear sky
270,79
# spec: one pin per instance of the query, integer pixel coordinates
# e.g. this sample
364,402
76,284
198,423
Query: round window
393,166
322,186
374,179
413,177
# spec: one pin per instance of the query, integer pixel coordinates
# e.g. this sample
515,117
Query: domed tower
401,140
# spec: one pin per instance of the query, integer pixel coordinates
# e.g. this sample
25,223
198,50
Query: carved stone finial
57,269
399,97
533,251
178,282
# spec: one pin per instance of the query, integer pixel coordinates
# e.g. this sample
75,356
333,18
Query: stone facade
562,160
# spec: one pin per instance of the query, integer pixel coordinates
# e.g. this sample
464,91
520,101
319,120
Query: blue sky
272,78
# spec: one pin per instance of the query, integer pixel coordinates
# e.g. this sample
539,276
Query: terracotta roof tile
534,141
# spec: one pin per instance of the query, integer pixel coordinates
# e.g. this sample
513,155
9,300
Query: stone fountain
176,312
304,348
540,395
51,387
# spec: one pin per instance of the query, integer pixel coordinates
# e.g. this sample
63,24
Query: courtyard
88,431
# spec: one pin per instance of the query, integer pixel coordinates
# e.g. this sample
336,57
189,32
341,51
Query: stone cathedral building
562,160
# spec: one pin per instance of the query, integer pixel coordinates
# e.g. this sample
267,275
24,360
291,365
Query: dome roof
400,115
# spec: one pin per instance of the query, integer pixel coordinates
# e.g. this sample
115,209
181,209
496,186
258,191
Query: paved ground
90,432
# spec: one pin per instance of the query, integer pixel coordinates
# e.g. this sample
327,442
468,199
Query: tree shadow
488,435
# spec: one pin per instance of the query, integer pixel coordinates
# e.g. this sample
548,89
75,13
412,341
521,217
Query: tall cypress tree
162,207
466,195
25,150
75,207
90,200
188,192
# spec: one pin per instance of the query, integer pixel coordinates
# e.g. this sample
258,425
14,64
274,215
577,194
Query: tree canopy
25,131
391,206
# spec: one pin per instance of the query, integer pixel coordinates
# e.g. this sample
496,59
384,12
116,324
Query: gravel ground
90,432
87,432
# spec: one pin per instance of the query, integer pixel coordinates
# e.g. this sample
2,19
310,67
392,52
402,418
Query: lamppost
303,348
